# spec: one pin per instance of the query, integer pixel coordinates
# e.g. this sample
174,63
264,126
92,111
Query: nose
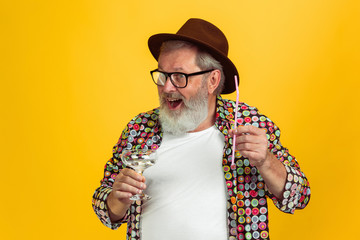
169,86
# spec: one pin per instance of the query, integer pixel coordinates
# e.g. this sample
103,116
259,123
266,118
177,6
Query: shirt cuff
296,192
101,210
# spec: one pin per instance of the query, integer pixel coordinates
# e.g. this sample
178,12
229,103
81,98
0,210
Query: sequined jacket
247,201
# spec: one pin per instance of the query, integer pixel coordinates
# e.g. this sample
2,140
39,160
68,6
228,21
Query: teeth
173,100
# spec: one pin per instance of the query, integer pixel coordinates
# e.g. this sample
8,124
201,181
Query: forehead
178,59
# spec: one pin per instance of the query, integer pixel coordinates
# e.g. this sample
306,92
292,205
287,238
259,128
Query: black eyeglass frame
168,75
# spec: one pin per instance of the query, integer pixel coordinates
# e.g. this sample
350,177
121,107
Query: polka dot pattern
247,205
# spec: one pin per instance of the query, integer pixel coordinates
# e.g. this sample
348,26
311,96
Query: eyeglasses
178,79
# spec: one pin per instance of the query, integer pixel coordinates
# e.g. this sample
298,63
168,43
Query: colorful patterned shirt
247,210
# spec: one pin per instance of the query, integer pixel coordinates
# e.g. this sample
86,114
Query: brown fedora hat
209,38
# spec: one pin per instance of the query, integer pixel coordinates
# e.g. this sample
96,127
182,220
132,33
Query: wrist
116,208
267,163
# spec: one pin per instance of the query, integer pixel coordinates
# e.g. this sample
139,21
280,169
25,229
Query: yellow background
74,72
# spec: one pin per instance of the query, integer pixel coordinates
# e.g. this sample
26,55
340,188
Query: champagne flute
139,160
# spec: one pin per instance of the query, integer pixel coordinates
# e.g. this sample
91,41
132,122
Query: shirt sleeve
100,208
111,170
297,189
141,132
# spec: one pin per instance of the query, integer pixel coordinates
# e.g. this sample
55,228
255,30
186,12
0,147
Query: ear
214,81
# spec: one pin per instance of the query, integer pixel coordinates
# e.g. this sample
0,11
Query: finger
122,190
253,147
132,174
251,155
248,129
121,195
246,138
128,180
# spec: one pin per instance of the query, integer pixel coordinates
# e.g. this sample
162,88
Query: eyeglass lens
178,79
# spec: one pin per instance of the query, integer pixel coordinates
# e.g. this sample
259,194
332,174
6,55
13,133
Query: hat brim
229,68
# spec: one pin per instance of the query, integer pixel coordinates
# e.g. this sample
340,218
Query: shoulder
144,117
143,129
226,107
228,104
246,114
143,122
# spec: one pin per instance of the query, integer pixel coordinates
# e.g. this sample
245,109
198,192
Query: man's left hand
252,143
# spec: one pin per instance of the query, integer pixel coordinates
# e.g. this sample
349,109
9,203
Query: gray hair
203,59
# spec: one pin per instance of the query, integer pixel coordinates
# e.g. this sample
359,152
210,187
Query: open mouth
173,103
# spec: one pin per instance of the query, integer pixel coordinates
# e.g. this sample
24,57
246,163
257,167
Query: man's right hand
127,183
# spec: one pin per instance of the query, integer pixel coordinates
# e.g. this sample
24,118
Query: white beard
193,112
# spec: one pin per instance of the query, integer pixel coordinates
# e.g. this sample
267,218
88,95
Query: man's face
180,60
182,109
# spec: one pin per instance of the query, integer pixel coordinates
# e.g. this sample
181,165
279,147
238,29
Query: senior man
197,191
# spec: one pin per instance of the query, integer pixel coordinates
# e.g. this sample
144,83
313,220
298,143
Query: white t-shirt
188,189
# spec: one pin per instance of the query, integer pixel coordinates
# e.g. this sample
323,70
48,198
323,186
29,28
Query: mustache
164,96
